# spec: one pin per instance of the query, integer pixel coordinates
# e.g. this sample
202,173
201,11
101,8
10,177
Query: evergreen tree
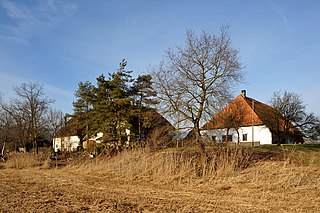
121,101
83,107
113,104
101,104
144,97
144,92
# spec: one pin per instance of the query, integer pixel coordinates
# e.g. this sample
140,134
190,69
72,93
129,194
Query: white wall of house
69,143
260,134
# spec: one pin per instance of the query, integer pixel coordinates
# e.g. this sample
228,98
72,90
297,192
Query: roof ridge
259,102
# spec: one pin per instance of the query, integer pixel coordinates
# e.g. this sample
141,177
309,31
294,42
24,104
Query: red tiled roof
253,113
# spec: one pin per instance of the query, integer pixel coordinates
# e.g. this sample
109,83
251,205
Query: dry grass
169,166
143,181
18,160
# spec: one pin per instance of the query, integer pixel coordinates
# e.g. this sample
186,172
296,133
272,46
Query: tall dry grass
17,160
225,167
169,165
231,180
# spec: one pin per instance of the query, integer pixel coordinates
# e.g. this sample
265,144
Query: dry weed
18,160
168,166
144,181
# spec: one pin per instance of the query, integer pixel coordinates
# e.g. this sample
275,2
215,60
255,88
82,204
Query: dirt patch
263,188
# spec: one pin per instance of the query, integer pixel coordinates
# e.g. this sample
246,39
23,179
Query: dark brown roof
156,119
70,128
149,115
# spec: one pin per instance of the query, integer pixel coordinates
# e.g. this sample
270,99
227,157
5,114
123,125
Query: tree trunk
238,136
203,156
199,141
3,147
87,124
139,124
227,135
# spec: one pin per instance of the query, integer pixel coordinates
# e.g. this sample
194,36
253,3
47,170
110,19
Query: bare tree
291,113
31,101
6,127
314,132
232,117
54,121
20,124
195,79
28,118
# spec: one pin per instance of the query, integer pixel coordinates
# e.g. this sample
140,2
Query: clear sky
62,42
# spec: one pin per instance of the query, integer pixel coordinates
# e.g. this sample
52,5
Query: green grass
302,154
296,147
305,154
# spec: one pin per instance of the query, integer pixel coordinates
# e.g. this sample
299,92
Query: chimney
244,93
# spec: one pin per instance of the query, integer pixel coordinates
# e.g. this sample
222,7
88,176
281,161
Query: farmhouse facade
246,120
70,137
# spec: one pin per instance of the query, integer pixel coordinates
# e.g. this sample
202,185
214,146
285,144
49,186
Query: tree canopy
194,80
114,104
292,110
28,118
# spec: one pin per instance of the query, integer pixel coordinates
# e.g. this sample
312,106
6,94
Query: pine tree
122,102
101,105
113,104
144,95
83,107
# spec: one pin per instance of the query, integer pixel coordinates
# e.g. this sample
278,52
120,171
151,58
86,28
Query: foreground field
264,186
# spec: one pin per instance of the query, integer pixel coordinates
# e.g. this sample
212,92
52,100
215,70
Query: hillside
140,181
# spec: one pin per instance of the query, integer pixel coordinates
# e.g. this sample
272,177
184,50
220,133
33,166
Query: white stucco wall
69,143
261,134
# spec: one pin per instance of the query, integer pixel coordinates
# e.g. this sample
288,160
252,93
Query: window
213,138
245,137
226,138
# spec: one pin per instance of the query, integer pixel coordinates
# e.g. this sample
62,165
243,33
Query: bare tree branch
195,79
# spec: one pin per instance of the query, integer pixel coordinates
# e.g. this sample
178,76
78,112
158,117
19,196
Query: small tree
290,113
232,117
315,132
55,121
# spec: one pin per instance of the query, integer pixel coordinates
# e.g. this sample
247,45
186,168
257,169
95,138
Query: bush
160,139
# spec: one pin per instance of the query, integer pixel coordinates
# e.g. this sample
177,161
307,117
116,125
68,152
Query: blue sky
62,42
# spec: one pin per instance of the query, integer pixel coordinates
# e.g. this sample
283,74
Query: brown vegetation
234,179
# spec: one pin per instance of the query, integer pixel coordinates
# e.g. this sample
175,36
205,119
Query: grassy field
303,153
296,147
264,179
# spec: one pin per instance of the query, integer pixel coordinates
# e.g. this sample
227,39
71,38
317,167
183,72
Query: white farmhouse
67,138
246,120
66,143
